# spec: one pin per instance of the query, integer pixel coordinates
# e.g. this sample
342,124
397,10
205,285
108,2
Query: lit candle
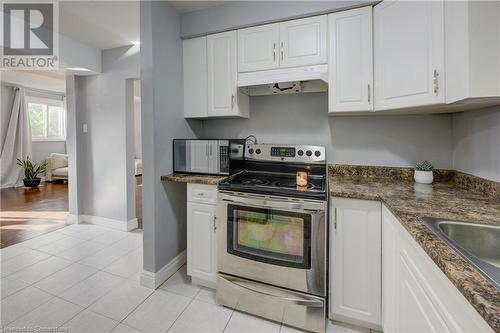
302,178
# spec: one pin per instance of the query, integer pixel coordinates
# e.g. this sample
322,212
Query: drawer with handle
202,193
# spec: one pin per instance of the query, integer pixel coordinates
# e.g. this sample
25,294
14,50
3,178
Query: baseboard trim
104,222
72,219
154,280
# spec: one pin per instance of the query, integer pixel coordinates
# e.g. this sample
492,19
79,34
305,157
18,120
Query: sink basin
477,243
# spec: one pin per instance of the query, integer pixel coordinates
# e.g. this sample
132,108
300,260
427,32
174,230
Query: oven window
271,236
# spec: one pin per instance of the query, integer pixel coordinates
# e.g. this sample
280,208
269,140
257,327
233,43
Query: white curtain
17,141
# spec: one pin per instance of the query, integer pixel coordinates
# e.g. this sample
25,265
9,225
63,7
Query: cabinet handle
436,82
232,101
282,51
335,218
274,52
210,154
369,94
215,223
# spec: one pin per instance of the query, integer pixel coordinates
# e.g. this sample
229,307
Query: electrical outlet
85,129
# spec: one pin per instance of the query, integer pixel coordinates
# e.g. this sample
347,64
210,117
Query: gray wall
103,160
238,14
164,204
42,149
476,143
364,140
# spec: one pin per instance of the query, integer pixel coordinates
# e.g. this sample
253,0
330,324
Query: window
47,119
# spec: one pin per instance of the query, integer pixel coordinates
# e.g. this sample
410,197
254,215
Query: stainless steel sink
477,243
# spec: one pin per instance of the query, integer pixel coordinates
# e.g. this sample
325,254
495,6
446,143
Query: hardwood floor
26,213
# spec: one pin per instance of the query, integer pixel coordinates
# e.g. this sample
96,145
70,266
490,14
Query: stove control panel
282,151
286,153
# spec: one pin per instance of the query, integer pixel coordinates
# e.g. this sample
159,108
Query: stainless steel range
272,244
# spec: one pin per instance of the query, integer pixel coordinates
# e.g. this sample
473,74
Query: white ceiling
190,6
102,24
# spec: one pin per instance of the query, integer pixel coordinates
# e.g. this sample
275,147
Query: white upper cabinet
472,48
258,48
436,55
409,54
195,77
350,61
303,42
224,98
288,44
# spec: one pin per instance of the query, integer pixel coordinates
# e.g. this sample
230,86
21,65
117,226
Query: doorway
33,106
137,151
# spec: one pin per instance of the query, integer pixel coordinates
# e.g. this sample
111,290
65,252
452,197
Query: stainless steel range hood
285,81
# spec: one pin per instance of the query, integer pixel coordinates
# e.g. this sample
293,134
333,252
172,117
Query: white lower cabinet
417,296
355,262
201,239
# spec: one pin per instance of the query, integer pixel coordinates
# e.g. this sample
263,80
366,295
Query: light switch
85,130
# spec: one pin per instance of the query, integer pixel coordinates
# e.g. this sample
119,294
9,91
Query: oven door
273,240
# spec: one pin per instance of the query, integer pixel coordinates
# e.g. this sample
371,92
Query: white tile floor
86,278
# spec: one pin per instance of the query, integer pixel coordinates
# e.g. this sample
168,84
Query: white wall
237,14
42,149
476,143
363,140
103,160
31,80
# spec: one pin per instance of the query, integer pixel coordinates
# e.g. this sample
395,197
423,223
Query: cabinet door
351,60
198,156
195,77
201,258
390,248
356,261
303,42
258,48
409,54
222,75
213,156
415,311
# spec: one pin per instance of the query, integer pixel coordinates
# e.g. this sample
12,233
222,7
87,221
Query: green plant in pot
423,172
31,171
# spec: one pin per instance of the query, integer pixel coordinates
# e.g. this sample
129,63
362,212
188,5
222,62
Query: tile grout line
154,290
79,262
57,296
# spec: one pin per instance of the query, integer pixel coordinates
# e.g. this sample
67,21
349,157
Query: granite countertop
409,202
193,178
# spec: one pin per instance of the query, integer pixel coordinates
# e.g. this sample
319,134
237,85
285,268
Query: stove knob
317,153
258,151
309,153
300,152
250,151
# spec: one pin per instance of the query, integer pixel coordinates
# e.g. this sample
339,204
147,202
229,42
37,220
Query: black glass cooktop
276,184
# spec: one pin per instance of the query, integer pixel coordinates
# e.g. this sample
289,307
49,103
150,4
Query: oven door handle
270,204
298,301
